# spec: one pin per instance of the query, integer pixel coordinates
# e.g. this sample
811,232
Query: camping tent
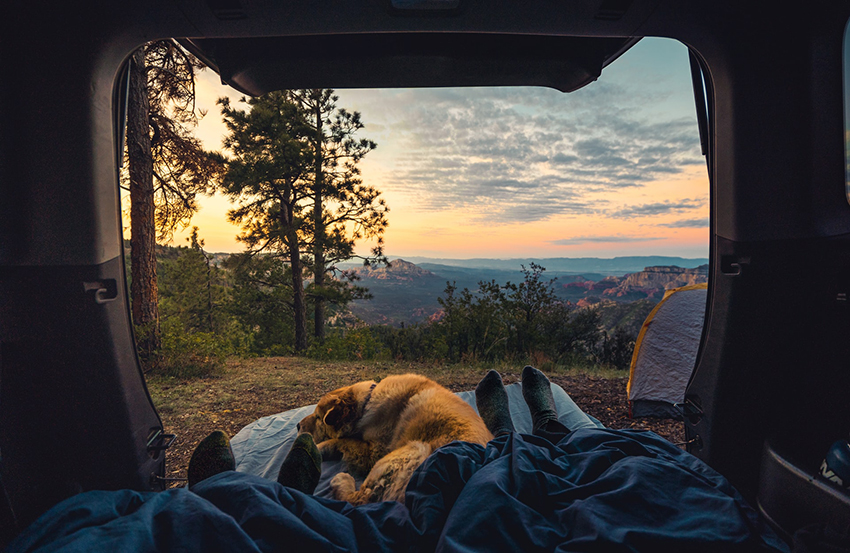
665,353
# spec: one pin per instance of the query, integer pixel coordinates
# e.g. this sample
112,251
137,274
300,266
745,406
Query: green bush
189,354
615,349
348,345
412,343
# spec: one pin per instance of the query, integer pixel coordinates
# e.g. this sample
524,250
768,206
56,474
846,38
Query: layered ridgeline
214,305
407,293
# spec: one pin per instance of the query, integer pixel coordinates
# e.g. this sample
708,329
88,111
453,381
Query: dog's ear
344,410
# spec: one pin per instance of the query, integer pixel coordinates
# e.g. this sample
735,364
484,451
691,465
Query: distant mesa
399,269
651,283
666,277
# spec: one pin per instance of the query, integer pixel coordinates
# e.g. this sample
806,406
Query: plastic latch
690,411
159,441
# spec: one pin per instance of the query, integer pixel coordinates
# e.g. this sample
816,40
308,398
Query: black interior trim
393,60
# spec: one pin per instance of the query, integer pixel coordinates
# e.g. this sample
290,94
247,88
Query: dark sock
303,465
212,456
537,393
492,402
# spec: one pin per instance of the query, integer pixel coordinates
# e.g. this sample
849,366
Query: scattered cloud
527,154
489,156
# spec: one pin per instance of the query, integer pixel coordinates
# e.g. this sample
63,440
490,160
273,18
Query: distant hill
402,293
575,265
469,276
399,270
407,291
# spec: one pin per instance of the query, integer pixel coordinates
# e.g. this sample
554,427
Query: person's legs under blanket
278,518
229,511
298,519
590,488
595,490
226,511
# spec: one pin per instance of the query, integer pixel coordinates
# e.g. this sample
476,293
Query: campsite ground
248,389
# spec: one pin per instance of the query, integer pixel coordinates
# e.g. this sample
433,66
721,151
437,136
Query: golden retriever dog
385,430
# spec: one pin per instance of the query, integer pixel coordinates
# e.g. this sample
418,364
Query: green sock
537,393
492,402
212,456
302,466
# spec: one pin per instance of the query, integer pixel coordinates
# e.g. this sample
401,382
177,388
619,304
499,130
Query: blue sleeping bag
595,490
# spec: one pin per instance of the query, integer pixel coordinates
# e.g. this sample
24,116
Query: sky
612,169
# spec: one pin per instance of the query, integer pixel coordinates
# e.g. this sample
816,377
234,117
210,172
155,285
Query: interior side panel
74,412
774,364
773,356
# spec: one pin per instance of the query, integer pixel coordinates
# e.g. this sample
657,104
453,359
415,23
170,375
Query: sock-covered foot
212,456
303,465
492,402
537,393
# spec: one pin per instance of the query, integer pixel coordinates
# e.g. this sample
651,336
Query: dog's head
337,413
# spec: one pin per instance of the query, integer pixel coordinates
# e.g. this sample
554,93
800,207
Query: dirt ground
250,389
605,399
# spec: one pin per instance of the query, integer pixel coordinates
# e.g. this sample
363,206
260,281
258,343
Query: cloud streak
687,223
619,239
657,208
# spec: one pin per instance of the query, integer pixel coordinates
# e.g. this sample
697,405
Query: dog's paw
343,486
329,450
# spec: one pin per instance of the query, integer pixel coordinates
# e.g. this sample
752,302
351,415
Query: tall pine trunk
142,219
298,296
319,229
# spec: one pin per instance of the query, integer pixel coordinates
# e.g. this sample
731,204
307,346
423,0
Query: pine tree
143,289
261,301
266,174
167,167
293,170
191,288
344,210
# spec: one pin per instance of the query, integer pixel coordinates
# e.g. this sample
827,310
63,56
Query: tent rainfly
665,353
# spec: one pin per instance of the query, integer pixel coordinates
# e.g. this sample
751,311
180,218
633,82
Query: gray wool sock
537,393
492,402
